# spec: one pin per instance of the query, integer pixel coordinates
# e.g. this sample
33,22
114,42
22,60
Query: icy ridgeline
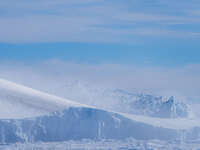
124,101
150,105
27,115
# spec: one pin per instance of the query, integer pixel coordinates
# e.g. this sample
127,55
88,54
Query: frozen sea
128,144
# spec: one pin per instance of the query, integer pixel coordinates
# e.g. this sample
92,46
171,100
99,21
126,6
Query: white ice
17,101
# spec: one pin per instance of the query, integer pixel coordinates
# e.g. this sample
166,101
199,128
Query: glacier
124,100
28,115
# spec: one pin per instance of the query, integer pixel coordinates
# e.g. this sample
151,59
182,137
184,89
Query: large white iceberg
28,115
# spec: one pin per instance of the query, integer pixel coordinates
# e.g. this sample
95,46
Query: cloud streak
93,21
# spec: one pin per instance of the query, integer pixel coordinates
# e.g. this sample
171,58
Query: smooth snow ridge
18,102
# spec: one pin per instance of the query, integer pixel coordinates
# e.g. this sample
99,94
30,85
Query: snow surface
18,102
176,123
86,144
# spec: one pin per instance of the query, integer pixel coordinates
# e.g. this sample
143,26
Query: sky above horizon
99,31
155,38
93,53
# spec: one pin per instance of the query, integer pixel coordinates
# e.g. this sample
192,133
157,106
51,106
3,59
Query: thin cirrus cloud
95,21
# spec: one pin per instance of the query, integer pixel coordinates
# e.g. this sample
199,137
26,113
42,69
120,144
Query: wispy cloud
93,21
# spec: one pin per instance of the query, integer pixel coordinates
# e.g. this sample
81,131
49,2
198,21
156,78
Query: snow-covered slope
30,115
17,101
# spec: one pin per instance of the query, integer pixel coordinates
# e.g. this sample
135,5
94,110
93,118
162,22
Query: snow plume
87,83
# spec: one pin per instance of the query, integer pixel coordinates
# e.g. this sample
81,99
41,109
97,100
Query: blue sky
145,32
147,55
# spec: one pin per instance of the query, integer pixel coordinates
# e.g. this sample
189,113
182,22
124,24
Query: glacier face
28,115
80,123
